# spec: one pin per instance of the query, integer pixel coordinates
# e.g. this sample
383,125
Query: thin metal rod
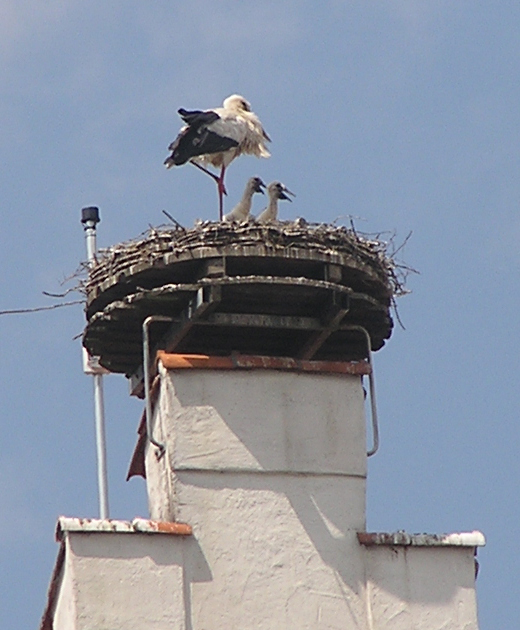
90,241
372,388
90,218
99,407
146,373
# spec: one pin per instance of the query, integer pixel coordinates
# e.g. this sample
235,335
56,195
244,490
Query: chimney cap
91,213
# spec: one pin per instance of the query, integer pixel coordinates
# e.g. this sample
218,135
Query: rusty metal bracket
146,377
204,301
372,387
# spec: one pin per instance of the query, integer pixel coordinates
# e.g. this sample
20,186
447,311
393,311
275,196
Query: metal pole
99,408
90,218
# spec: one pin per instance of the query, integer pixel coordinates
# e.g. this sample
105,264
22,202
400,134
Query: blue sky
403,113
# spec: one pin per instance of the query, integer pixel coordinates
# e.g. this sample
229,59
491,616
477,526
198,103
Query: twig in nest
352,227
75,274
59,295
174,221
403,243
394,306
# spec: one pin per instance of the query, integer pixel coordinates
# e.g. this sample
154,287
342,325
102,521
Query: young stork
243,208
216,137
276,190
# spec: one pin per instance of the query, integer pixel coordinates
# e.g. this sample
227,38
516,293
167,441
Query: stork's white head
237,103
277,190
255,185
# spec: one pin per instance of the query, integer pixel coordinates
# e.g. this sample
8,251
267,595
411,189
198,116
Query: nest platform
286,289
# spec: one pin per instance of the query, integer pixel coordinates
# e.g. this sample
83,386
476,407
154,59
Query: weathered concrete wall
269,469
258,422
264,420
65,610
274,553
421,588
121,581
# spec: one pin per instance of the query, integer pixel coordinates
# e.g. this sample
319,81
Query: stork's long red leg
221,192
220,186
205,170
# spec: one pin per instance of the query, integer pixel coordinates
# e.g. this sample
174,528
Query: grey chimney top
91,213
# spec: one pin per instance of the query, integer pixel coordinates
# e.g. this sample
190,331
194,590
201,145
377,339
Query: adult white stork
276,190
216,137
242,210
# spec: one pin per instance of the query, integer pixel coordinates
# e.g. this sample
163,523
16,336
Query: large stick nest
292,270
166,245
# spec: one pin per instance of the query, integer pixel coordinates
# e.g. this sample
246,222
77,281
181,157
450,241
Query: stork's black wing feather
195,141
198,118
211,142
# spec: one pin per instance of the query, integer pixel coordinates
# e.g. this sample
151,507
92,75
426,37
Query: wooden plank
253,320
338,309
206,300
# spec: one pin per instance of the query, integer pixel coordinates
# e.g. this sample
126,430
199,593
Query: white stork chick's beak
276,191
241,212
215,137
282,190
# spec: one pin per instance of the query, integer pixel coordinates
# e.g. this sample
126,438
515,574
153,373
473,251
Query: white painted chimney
257,488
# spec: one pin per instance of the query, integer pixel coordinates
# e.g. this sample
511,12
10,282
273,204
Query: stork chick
216,137
242,210
276,190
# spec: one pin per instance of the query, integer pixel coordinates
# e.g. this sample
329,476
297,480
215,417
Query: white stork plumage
216,137
276,190
242,210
